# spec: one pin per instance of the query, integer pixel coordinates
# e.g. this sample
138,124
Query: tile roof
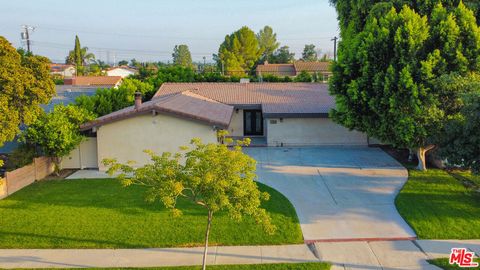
123,67
312,66
276,99
94,80
59,67
184,104
276,69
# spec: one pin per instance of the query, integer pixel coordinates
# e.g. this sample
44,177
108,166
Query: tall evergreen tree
389,60
239,52
79,57
181,56
267,40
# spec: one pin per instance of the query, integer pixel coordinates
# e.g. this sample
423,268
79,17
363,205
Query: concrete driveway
340,193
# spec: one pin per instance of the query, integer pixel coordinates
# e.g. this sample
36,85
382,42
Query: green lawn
438,206
279,266
443,263
101,213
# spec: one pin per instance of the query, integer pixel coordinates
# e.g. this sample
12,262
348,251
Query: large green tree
79,57
25,84
213,176
239,52
181,56
267,40
460,142
389,60
57,133
282,56
309,54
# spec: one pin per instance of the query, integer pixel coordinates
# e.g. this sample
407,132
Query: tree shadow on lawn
59,241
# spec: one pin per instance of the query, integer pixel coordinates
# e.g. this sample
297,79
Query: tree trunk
421,152
57,163
421,159
209,223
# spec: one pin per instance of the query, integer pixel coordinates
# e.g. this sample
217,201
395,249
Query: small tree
212,176
282,56
57,133
309,54
181,56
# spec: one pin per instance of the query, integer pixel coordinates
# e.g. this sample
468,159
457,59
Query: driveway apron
339,193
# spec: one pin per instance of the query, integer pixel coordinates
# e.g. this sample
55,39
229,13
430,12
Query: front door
252,123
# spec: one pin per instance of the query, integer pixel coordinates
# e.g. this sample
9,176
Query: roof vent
244,80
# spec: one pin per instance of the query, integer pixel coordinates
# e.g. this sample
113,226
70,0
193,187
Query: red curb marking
361,240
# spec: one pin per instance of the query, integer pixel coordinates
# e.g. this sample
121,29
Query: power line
159,36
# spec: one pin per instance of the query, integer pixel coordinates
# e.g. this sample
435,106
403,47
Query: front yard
439,206
444,264
100,213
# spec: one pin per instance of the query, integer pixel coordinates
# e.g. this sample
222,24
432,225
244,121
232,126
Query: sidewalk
343,255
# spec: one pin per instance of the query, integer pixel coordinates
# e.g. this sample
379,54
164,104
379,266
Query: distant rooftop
94,81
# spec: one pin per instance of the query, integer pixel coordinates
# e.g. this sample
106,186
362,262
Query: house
272,114
65,94
98,81
122,71
321,69
63,70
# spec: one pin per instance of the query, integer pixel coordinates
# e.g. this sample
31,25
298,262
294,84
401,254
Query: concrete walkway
343,255
339,193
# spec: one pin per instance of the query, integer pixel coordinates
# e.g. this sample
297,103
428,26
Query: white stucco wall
84,156
236,125
311,131
126,140
120,72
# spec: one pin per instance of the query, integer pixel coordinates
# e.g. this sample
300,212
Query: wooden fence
22,177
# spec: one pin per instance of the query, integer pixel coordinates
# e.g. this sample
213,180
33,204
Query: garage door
310,131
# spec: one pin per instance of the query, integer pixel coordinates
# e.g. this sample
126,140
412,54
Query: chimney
138,100
266,62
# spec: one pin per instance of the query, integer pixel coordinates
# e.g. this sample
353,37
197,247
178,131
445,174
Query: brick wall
22,177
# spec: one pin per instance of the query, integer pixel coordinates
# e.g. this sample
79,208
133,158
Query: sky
147,30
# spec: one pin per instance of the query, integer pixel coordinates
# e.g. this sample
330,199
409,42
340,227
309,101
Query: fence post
35,168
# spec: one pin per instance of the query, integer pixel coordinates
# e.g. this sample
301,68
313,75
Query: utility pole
334,39
204,64
25,35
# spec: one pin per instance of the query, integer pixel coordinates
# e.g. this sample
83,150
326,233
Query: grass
438,206
100,213
443,264
279,266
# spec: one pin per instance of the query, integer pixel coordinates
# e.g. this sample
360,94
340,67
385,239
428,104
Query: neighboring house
63,70
272,114
65,94
122,71
97,81
321,69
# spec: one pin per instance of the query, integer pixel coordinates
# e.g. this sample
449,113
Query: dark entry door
252,122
